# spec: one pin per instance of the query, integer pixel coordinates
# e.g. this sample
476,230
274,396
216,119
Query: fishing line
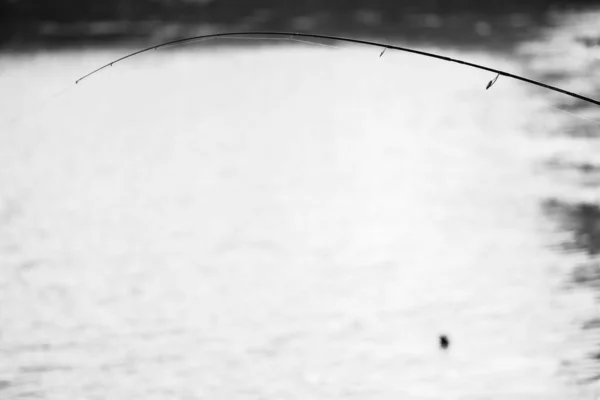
294,35
576,115
315,43
278,39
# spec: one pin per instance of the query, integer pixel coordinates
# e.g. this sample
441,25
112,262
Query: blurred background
259,219
70,21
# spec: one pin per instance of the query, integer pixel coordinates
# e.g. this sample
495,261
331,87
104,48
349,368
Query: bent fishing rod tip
356,41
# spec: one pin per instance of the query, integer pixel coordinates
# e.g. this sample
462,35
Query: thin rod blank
348,40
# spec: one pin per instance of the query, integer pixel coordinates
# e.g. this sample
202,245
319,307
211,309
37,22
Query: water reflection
581,220
576,173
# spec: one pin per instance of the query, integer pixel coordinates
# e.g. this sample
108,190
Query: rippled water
298,222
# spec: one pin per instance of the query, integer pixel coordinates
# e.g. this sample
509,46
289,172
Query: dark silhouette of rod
291,35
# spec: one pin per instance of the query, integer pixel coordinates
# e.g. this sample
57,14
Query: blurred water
285,222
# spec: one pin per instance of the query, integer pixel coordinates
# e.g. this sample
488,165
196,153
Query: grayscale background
262,219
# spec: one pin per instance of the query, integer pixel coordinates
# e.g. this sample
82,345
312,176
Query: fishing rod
384,46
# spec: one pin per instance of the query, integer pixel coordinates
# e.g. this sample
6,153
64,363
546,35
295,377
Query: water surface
291,222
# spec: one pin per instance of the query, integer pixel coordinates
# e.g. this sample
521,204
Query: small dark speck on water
444,342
